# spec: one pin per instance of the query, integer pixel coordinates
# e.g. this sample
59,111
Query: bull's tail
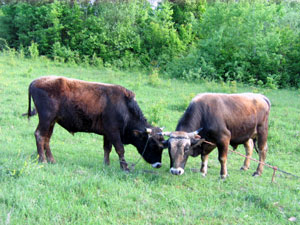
268,101
29,112
255,146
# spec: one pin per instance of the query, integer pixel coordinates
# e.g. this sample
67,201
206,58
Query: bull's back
240,114
76,105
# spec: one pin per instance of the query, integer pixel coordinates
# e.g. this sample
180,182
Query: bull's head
151,145
181,145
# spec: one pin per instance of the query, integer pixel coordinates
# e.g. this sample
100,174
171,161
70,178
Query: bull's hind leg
47,144
223,151
262,135
249,150
107,146
40,136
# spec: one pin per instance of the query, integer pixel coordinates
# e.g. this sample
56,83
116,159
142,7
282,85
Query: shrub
245,41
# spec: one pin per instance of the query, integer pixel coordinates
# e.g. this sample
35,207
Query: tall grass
79,189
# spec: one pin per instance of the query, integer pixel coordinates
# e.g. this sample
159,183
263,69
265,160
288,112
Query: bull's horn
162,128
194,134
148,130
166,133
198,131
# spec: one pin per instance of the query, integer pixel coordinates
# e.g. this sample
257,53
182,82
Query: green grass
79,189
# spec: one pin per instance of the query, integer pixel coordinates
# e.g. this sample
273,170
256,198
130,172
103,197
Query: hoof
125,169
256,174
106,163
52,161
244,168
42,161
223,177
203,174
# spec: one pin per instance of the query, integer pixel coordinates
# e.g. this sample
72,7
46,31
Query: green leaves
245,41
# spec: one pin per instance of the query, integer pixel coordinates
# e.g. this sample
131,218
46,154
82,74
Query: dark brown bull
104,109
220,120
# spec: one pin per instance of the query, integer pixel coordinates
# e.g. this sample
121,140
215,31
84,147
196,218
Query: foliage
123,34
246,41
249,40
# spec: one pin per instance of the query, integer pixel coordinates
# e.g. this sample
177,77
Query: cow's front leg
249,150
119,147
203,170
107,146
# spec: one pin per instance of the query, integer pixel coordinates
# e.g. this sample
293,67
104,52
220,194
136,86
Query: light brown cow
219,120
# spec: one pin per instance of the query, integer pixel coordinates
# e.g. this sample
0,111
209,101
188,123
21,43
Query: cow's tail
29,112
268,102
255,146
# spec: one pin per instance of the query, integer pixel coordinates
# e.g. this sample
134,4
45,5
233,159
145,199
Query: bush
245,41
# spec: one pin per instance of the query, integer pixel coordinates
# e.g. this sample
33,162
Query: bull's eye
186,148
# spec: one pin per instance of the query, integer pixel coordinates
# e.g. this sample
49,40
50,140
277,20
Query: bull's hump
249,95
70,83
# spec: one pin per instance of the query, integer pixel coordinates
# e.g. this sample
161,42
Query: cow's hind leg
40,137
249,150
262,135
223,151
49,155
107,146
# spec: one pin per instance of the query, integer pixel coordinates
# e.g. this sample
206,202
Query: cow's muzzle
177,171
156,165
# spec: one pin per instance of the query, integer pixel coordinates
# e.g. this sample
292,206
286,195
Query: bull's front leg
204,159
119,147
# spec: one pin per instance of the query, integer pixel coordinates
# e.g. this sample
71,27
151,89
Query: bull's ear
196,142
165,144
138,133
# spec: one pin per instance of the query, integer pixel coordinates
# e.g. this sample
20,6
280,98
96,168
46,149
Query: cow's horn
166,133
198,131
148,130
195,133
162,128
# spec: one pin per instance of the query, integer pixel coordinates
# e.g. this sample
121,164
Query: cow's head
151,146
181,145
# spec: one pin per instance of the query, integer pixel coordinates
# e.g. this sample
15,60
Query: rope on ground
275,168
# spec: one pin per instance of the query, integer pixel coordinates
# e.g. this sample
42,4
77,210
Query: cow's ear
196,142
165,144
138,133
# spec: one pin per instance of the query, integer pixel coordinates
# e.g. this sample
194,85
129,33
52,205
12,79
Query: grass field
79,189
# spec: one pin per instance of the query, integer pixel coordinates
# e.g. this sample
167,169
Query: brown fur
227,119
105,109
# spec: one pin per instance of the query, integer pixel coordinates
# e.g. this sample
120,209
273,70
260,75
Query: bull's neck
189,125
131,138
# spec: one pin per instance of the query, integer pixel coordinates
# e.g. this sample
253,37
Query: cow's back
79,105
239,114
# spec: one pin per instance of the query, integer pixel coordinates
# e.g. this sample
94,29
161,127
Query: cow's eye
186,148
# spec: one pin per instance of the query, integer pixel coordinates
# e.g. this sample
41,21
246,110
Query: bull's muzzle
177,171
156,165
